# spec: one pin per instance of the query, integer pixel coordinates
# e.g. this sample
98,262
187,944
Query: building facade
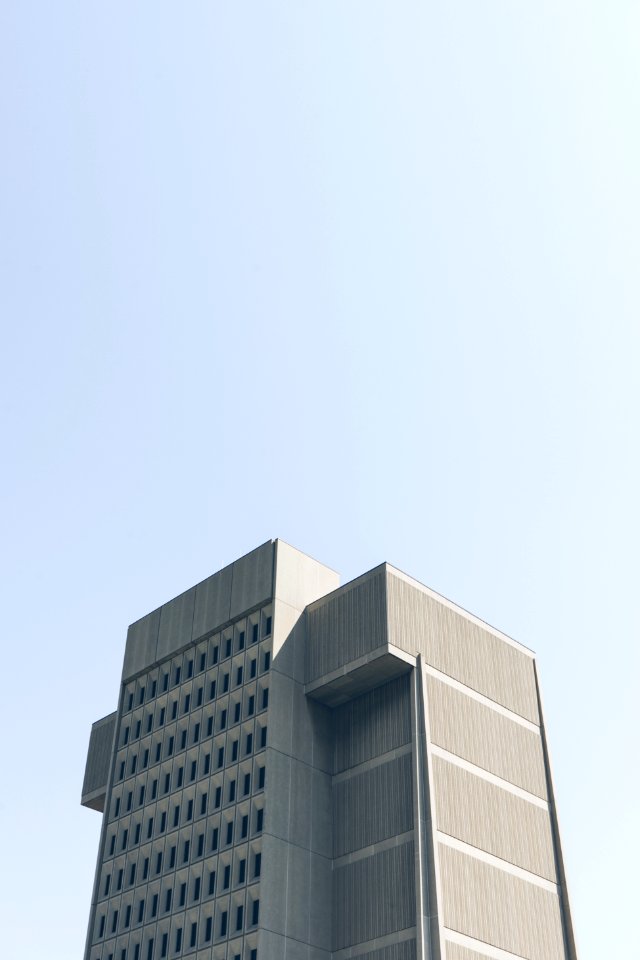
302,771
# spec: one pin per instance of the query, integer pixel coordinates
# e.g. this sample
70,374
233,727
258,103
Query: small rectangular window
254,633
212,690
239,677
241,640
187,703
251,706
259,820
242,869
154,789
208,929
167,782
180,775
163,821
225,682
145,868
199,695
218,797
247,784
196,889
203,804
261,771
200,848
227,648
183,895
119,883
136,835
172,857
244,827
214,656
154,687
176,815
163,712
230,832
130,702
239,917
154,905
193,770
125,837
232,791
255,912
252,669
177,676
150,950
203,662
132,874
249,746
194,935
150,828
112,845
114,923
121,773
212,883
189,669
125,738
107,884
223,924
137,734
220,757
189,810
167,901
159,863
234,751
178,939
141,795
165,682
236,713
101,927
214,839
170,747
257,865
158,752
207,763
140,911
174,709
267,660
265,698
145,758
227,877
223,719
165,944
267,626
185,851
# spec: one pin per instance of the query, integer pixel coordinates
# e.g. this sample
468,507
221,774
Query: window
149,723
253,955
257,865
193,770
196,733
141,796
239,676
125,738
223,924
114,922
154,905
159,862
209,726
196,889
176,815
174,709
254,633
125,837
234,751
203,804
119,883
208,929
255,912
252,669
244,827
185,851
137,729
223,719
241,640
140,910
239,917
189,810
225,683
170,747
134,762
158,752
121,771
236,713
132,874
265,698
164,945
101,927
154,789
232,791
177,676
145,868
183,739
189,669
212,690
112,845
251,705
230,832
218,797
199,695
180,776
267,660
165,682
154,687
247,784
183,895
150,949
202,662
172,857
129,800
130,702
227,877
167,782
194,935
145,758
167,901
178,938
136,952
163,821
212,883
227,648
150,828
242,869
220,757
116,811
259,820
267,626
200,847
214,656
187,703
136,835
261,771
163,712
249,746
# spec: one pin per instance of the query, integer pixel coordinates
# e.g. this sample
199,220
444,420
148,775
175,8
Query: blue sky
360,275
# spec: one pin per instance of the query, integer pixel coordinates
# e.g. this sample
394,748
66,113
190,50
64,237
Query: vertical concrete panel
459,646
488,817
212,602
252,582
176,623
142,642
496,907
372,724
346,625
486,738
373,805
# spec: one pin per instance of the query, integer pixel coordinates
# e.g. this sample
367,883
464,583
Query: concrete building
302,771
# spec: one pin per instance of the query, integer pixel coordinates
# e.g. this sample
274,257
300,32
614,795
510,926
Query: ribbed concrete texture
302,771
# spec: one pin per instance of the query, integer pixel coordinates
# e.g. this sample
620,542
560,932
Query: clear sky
360,275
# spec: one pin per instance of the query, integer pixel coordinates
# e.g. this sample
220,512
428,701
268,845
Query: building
302,771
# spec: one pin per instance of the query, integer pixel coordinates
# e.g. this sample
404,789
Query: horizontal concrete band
492,704
360,949
479,946
493,861
373,848
488,776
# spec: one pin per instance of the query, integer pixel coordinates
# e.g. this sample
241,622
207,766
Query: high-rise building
302,771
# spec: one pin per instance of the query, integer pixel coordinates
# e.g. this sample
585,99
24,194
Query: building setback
302,771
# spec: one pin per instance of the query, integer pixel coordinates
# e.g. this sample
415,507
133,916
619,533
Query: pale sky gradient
361,275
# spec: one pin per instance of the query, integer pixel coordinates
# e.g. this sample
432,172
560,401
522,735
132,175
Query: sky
363,276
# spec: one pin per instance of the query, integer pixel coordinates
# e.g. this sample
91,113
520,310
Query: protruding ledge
96,774
361,675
